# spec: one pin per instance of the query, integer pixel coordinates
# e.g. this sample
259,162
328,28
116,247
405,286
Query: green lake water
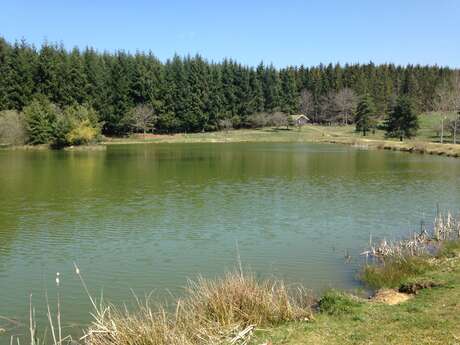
148,217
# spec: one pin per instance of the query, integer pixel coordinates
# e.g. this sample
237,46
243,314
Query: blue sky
281,32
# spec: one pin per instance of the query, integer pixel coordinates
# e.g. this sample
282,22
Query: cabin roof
299,116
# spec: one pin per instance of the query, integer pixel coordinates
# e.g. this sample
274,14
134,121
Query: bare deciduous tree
141,118
226,124
307,103
446,102
445,98
258,120
454,126
327,108
12,128
345,101
279,119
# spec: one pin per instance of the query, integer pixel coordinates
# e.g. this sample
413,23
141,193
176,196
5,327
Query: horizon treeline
191,94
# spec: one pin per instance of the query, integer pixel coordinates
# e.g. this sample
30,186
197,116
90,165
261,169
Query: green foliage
77,125
393,272
365,115
81,133
338,303
47,124
191,94
41,119
402,121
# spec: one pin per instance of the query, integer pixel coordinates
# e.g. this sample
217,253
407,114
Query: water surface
147,217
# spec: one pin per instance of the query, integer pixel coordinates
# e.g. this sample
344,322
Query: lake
146,218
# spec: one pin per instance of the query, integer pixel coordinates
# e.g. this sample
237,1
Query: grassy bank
432,316
427,142
417,299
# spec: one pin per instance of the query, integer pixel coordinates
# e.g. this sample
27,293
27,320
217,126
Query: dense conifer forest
192,94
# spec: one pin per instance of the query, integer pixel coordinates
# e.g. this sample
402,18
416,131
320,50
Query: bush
84,126
82,133
12,128
337,303
76,125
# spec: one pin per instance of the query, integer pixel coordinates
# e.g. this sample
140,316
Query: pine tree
120,101
196,117
365,114
256,102
290,96
75,79
215,103
20,84
402,121
191,94
271,89
41,119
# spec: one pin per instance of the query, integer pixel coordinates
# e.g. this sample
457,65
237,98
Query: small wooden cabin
299,120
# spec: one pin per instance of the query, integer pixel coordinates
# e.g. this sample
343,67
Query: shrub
82,133
12,128
337,303
76,125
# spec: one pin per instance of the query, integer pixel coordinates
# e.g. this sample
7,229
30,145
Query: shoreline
420,147
308,134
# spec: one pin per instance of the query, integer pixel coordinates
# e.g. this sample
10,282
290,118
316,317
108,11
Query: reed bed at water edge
220,311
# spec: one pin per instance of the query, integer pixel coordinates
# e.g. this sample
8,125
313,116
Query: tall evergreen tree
290,95
191,94
19,77
365,115
402,121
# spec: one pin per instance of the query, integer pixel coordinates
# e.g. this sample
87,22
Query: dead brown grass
222,311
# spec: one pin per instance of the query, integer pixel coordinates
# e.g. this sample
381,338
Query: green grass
431,317
450,249
394,272
430,124
427,140
338,303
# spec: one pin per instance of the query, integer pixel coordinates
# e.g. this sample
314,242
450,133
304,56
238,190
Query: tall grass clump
212,311
394,262
221,311
394,271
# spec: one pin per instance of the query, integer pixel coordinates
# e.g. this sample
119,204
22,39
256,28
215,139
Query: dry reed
445,228
222,311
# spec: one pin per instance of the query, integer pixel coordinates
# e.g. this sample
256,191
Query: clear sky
282,32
